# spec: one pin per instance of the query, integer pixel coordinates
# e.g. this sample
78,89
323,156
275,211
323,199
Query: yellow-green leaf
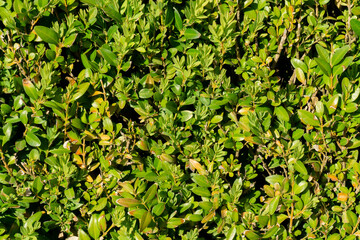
145,220
308,118
128,202
191,33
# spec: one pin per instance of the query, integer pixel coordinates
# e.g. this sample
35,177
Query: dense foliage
178,119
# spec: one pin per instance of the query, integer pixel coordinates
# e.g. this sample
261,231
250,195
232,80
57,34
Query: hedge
178,119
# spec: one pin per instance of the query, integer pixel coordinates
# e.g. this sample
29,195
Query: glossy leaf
324,66
175,222
47,34
339,55
274,204
201,191
30,89
128,202
297,63
109,56
94,228
83,235
308,118
355,26
145,220
32,139
323,53
150,193
191,33
178,20
282,114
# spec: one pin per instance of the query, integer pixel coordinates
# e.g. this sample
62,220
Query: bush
169,119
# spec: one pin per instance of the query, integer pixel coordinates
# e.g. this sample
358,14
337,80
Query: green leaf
252,235
30,89
300,75
93,228
319,106
90,2
158,209
332,104
191,33
323,53
69,193
32,219
108,125
299,188
145,93
355,26
272,179
340,68
324,66
43,3
247,3
128,202
32,139
186,115
351,107
300,167
69,41
174,222
201,180
271,233
352,218
178,20
274,204
109,56
354,143
101,204
81,90
37,185
282,114
297,134
297,63
102,221
335,236
339,55
217,119
308,118
150,193
231,233
47,34
145,220
109,10
169,18
201,191
7,129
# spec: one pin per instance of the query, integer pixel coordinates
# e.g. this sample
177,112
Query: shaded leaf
178,20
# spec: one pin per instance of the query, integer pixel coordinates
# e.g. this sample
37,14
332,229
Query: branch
280,48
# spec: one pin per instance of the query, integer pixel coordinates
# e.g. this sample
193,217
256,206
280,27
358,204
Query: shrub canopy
179,119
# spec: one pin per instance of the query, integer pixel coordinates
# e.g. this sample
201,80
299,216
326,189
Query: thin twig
280,48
